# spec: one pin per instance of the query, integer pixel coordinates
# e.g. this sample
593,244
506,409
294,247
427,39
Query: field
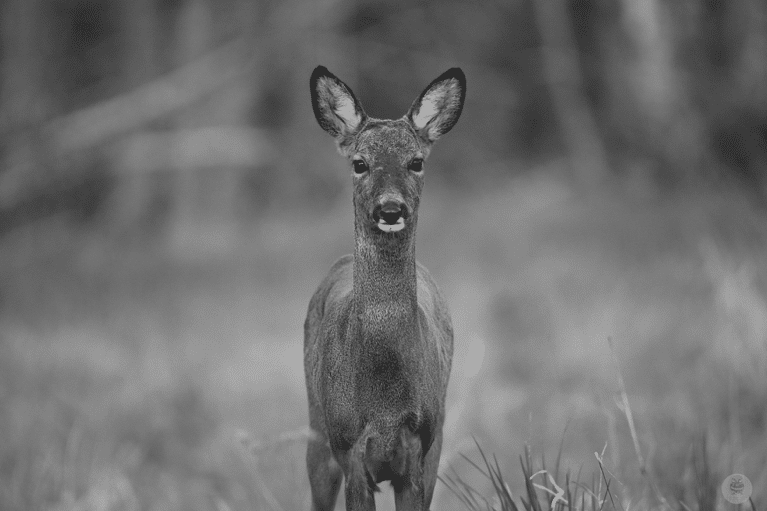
134,376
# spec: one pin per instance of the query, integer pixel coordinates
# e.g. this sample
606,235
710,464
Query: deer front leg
359,488
325,475
409,489
410,495
430,468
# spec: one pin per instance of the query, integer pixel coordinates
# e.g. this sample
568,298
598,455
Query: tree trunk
22,101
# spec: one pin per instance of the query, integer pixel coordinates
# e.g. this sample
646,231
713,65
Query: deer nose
391,212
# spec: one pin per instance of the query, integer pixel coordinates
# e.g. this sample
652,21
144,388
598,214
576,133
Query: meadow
138,376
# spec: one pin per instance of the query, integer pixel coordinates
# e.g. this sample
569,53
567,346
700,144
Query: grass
555,491
128,370
545,490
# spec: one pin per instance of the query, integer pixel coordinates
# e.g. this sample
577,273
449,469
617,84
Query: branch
190,149
97,123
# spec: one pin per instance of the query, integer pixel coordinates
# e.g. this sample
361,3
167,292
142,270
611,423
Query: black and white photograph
325,255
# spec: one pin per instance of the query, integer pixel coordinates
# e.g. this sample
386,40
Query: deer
378,337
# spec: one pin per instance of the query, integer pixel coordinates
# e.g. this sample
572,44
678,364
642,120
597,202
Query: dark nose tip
391,212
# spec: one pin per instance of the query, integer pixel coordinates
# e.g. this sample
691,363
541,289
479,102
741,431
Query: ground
130,373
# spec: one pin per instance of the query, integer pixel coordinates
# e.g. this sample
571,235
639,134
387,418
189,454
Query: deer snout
390,216
391,212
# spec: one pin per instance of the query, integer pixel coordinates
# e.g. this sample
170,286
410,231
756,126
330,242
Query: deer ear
439,106
337,110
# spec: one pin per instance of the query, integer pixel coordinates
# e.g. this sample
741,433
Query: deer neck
385,284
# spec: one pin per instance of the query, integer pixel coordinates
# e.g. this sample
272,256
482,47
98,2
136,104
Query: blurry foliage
131,127
677,91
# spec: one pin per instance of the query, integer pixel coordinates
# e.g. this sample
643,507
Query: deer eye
360,167
416,165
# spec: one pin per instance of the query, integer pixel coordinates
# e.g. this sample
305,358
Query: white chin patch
391,227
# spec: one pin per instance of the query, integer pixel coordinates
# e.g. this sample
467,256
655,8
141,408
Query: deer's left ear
439,106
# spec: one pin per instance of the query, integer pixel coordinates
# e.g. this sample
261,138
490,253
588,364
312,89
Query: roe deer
378,340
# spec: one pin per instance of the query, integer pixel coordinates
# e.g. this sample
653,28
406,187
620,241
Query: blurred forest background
168,205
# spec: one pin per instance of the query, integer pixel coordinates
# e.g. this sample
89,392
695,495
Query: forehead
387,137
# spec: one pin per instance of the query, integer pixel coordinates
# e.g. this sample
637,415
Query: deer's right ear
337,110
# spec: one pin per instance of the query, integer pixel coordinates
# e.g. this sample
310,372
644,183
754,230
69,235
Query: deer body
378,340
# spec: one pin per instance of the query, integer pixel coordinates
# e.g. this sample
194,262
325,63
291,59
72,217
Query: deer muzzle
390,216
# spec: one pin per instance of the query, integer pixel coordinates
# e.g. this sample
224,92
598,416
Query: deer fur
378,339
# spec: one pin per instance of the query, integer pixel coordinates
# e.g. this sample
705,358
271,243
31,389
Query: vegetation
168,205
